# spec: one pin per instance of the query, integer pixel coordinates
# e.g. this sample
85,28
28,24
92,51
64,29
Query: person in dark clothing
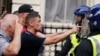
42,46
32,46
31,43
79,13
67,46
91,45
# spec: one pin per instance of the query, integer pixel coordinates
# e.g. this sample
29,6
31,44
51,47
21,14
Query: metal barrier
52,50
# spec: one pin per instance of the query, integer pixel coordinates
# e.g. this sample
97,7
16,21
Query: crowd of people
21,33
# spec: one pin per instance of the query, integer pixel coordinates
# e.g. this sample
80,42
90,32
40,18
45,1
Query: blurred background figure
0,16
23,10
15,12
3,14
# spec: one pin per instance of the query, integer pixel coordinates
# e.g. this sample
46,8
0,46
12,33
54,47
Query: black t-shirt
30,44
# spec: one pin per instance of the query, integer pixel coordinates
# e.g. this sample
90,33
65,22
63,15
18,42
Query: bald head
9,19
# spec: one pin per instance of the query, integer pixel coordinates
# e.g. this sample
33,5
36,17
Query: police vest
75,43
95,40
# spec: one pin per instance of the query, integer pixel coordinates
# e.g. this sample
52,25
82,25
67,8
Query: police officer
73,41
91,45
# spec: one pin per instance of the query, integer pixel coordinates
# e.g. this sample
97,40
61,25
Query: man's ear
31,23
22,14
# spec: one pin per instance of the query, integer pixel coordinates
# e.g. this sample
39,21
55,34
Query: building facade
56,15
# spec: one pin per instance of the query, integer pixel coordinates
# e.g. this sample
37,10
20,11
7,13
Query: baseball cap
25,8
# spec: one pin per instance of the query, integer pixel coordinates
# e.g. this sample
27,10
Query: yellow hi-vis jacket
75,43
95,40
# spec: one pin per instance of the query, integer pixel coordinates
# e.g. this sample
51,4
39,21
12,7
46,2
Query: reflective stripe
75,43
94,46
95,40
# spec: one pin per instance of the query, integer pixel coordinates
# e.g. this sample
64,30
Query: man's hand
18,25
75,29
